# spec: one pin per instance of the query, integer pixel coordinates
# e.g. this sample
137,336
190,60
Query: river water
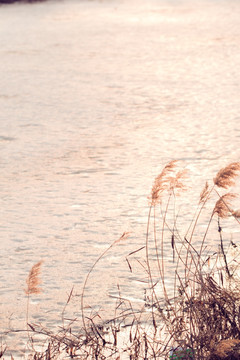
96,97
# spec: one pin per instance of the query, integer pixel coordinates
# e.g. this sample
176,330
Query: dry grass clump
206,306
196,317
207,316
226,349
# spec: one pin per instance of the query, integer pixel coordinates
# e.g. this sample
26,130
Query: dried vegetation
196,317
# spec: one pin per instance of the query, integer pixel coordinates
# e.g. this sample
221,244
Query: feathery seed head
204,194
225,177
33,281
223,205
168,180
123,237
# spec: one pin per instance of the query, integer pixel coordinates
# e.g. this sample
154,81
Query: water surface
96,97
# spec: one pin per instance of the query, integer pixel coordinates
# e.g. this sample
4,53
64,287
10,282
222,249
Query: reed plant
205,308
33,281
197,315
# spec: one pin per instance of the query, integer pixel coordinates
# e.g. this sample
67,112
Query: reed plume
168,180
204,194
226,176
33,280
177,183
223,205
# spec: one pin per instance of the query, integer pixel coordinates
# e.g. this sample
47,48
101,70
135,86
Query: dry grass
199,315
226,349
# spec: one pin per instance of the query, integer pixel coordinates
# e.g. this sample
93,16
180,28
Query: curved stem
124,235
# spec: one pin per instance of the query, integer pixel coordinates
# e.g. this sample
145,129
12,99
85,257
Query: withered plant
33,281
202,307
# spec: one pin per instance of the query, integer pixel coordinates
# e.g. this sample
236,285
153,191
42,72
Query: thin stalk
27,310
204,237
156,244
194,227
162,243
147,247
89,273
222,248
148,261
